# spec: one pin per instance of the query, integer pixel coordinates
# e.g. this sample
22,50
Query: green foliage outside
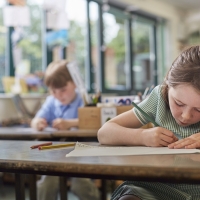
31,43
77,38
2,34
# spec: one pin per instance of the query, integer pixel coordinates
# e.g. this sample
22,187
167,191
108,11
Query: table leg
32,186
103,189
63,188
19,187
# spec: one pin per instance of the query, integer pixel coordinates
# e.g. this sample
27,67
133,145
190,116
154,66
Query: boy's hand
158,137
191,142
40,124
61,124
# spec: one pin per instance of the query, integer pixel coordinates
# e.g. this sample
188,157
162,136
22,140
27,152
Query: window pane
76,49
144,56
3,38
29,45
116,74
94,40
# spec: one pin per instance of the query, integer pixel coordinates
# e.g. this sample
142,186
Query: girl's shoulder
156,92
158,88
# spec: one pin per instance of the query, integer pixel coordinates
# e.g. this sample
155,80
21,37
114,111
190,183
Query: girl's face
65,94
184,103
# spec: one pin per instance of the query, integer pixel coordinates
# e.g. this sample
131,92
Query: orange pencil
39,145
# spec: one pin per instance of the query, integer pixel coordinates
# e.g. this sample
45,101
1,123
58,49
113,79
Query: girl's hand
191,142
158,137
61,124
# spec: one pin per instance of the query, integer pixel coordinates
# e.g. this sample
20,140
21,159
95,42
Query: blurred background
121,46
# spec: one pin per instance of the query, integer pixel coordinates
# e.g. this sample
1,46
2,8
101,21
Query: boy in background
60,110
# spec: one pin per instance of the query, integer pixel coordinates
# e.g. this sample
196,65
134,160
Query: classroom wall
193,20
8,109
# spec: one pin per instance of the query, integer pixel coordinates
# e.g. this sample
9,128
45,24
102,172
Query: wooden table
17,157
16,133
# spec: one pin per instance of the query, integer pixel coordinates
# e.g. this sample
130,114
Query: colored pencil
39,145
56,146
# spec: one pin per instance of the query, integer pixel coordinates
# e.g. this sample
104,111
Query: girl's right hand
158,137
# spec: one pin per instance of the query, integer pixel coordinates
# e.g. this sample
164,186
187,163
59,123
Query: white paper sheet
88,150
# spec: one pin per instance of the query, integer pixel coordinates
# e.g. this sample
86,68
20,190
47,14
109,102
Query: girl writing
175,106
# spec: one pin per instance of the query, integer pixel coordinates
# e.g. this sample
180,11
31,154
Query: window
93,17
144,69
114,49
3,39
116,66
76,49
29,45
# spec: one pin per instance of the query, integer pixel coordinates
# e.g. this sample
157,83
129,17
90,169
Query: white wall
8,109
193,20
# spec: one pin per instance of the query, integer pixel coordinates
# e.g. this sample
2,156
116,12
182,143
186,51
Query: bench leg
103,189
32,186
63,188
19,187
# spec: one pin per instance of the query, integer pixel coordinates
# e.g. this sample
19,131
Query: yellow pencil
55,146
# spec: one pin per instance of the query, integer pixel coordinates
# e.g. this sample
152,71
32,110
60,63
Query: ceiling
184,4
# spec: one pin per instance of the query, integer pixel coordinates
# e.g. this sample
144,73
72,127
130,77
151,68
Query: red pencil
43,144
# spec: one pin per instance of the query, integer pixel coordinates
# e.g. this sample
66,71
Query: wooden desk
30,134
17,157
79,133
16,133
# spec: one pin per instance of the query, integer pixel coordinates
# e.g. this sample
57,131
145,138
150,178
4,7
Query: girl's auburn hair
184,70
57,74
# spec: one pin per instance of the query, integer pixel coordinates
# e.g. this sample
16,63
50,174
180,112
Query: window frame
101,64
89,71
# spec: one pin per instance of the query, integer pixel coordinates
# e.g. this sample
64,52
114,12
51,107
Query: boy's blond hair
57,74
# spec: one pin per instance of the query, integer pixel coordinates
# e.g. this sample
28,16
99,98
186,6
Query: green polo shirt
156,107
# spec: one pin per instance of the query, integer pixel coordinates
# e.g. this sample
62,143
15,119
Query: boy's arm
46,111
38,123
64,124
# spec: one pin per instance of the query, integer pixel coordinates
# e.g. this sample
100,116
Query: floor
7,192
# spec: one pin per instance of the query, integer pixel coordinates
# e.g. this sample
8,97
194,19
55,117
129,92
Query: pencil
43,144
55,146
145,114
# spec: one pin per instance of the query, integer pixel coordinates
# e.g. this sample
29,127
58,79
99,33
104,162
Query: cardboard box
91,117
